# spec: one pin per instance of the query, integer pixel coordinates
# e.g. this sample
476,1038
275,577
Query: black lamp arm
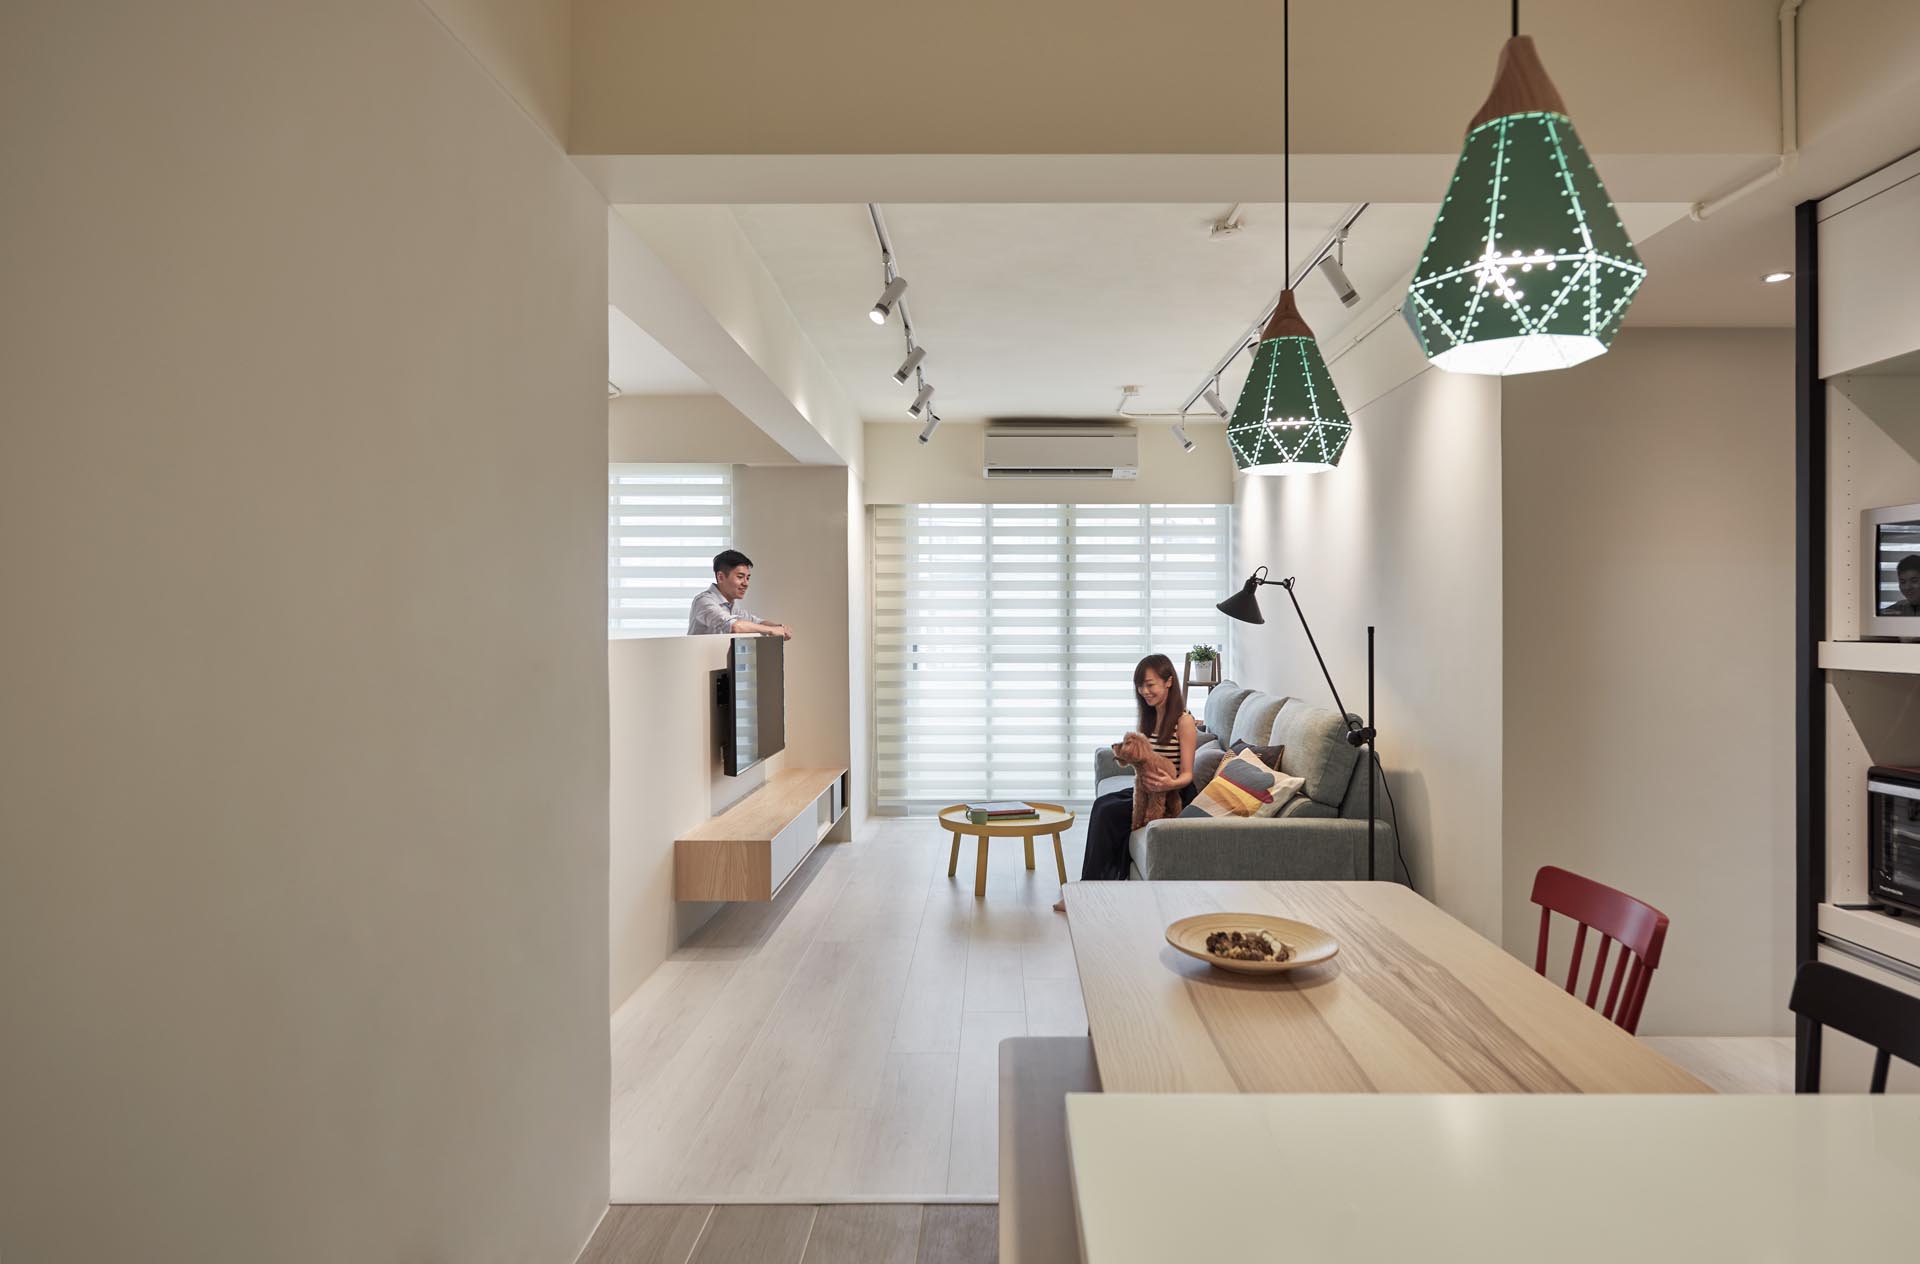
1358,734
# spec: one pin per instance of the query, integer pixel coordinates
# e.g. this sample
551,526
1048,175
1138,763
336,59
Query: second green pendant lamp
1528,266
1289,419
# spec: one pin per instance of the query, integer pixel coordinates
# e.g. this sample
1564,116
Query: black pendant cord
1516,19
1286,151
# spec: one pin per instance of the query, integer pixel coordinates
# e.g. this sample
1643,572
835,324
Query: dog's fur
1134,751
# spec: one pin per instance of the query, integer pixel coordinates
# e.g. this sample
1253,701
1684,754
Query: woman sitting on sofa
1170,732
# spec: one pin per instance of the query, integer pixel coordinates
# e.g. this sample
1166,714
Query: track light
888,297
907,366
1212,396
1337,277
919,404
1180,433
926,431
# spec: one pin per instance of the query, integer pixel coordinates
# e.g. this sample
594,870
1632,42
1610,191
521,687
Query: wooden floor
892,1233
840,1044
1731,1064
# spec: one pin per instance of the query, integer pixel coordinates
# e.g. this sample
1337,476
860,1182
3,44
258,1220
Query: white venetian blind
1005,638
664,524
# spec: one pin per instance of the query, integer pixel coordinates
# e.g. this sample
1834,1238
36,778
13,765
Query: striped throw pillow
1244,787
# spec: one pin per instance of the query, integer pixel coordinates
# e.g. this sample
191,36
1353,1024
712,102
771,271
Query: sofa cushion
1254,720
1223,700
1317,749
1206,762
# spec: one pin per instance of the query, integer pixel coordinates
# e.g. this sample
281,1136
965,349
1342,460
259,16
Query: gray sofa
1320,835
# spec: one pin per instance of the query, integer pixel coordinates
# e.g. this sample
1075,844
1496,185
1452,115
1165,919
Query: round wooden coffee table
1053,820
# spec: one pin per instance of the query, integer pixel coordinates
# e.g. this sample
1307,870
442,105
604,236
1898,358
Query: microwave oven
1893,838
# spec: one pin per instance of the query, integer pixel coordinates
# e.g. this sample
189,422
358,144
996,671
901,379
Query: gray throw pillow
1206,762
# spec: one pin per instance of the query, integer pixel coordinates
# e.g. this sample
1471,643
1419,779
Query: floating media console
750,850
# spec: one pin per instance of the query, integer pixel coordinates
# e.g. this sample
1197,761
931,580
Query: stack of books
1002,812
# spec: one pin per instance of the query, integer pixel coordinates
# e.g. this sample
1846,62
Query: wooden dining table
1414,1002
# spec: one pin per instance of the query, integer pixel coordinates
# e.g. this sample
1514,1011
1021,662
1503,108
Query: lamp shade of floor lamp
1528,266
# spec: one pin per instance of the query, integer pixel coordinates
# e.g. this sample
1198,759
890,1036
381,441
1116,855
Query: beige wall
1066,76
1649,670
902,471
666,778
304,742
527,45
700,429
792,522
1405,535
860,654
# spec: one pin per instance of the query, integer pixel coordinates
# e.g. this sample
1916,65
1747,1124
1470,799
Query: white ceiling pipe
1789,117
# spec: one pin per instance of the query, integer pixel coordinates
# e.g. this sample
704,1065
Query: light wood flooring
1731,1064
841,1043
892,1233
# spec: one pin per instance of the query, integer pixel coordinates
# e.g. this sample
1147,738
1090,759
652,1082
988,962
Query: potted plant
1203,665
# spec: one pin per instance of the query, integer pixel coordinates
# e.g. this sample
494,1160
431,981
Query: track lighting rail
894,298
1251,337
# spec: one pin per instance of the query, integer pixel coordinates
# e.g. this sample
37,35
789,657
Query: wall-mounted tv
1890,576
753,711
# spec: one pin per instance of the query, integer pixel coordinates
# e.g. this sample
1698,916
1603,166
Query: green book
976,817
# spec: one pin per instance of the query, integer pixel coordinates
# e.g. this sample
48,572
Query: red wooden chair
1638,927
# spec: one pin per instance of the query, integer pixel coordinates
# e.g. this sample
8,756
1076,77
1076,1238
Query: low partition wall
665,780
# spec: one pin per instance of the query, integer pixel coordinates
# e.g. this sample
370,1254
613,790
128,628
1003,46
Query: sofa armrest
1106,764
1299,849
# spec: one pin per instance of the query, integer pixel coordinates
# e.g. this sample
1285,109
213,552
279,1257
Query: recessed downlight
1775,278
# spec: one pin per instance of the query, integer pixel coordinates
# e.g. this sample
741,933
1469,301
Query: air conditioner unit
1062,452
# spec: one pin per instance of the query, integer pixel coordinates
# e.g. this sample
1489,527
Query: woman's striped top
1168,746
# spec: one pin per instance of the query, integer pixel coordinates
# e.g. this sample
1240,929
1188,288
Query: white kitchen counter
1487,1178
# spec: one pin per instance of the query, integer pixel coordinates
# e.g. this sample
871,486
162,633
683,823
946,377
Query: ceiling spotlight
1775,278
1212,396
926,431
1180,433
888,297
907,366
1337,277
919,404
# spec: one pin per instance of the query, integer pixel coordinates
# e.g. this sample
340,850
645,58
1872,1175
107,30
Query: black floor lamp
1245,606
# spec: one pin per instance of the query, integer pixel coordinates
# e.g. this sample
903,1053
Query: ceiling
1047,310
640,366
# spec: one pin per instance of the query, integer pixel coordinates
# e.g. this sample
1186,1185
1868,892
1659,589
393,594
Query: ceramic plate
1310,944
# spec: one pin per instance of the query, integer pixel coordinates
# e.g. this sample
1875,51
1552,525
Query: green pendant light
1528,266
1289,419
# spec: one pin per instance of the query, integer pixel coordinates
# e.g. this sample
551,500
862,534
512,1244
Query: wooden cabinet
750,850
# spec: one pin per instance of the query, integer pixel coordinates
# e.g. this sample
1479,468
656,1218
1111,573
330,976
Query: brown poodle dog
1135,752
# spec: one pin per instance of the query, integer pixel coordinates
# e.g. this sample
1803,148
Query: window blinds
1005,638
664,524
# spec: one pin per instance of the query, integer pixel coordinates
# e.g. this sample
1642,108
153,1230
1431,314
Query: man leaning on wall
719,609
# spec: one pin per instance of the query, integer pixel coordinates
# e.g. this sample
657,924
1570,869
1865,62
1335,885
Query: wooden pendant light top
1520,85
1285,321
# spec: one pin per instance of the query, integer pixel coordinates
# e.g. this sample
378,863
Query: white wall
699,429
305,782
900,470
1404,535
781,381
1649,656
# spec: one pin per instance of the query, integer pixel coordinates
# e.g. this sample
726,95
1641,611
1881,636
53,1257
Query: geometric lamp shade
1289,419
1528,266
